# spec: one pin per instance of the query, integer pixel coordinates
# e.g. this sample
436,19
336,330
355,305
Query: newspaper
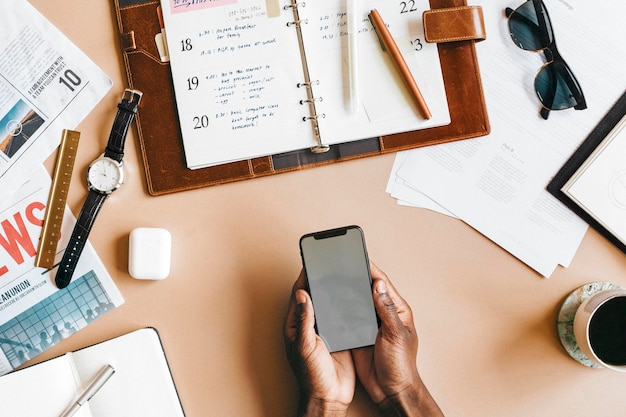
46,85
34,313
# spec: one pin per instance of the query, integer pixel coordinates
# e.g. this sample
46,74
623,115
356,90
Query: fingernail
300,298
381,287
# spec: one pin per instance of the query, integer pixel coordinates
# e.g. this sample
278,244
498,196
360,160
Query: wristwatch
104,176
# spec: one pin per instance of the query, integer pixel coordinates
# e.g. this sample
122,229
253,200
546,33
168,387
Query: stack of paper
496,183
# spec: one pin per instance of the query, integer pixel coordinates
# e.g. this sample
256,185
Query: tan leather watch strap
454,24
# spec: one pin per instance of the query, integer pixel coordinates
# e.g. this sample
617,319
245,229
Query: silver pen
93,388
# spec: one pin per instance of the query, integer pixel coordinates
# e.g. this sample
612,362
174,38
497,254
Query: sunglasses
555,83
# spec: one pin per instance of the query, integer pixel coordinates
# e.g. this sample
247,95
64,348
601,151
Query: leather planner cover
159,132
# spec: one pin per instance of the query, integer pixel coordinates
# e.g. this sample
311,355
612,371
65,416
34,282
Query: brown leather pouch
159,132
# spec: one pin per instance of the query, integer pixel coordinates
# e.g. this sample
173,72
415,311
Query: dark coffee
607,331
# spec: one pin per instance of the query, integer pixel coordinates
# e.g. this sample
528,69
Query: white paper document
497,183
46,85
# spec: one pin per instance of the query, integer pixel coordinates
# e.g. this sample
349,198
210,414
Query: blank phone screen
337,271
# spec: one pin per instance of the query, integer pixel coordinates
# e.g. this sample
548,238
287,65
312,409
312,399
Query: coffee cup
600,328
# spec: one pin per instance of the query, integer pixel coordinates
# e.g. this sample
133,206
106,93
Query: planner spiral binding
308,83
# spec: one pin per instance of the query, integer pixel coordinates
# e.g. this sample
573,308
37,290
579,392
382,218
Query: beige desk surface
487,323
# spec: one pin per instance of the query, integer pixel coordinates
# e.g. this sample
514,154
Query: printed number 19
192,83
70,79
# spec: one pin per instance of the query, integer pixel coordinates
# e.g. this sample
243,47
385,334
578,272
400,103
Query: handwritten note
235,81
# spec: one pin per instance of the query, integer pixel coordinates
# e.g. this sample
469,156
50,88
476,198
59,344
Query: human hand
388,370
327,381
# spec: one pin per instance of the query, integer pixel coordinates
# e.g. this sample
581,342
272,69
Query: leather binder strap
453,24
128,41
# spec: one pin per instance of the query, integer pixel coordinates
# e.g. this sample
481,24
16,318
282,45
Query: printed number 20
201,122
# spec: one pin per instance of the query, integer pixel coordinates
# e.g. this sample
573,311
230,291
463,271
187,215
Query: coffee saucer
565,321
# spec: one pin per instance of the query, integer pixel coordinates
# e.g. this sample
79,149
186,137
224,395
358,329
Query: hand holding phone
338,279
327,381
388,371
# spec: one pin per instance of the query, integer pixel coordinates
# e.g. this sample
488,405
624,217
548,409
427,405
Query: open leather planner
249,88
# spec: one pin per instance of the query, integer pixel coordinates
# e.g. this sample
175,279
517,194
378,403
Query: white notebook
141,386
244,70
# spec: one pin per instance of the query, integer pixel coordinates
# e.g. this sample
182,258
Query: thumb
386,309
305,321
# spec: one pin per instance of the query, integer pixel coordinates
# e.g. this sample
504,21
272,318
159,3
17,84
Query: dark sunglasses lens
526,29
556,87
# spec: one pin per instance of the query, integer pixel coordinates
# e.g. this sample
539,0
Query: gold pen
390,46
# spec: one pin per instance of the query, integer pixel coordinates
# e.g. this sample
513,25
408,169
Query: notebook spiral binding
308,83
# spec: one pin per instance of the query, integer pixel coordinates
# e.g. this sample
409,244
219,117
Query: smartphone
338,277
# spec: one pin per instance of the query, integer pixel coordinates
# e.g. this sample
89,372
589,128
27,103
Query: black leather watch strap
126,111
75,246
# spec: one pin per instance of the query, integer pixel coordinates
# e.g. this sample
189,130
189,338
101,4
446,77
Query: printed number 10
70,79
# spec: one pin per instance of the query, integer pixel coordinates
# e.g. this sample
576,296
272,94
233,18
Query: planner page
235,68
385,105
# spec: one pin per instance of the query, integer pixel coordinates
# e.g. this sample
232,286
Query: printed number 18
186,45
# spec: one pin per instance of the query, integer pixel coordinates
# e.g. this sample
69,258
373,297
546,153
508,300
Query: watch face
105,175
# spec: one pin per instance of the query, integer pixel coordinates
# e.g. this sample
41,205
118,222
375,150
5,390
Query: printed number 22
407,6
